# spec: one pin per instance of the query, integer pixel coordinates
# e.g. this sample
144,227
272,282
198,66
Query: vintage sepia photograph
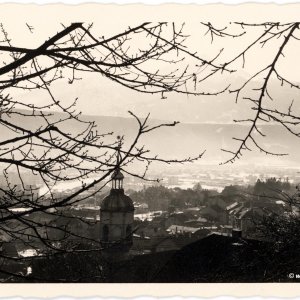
141,148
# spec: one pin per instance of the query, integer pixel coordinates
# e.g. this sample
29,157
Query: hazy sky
100,96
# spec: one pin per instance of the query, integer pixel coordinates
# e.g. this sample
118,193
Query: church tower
116,219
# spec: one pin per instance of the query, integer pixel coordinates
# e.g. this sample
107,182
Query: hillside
188,139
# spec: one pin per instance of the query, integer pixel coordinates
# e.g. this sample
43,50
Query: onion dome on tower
117,200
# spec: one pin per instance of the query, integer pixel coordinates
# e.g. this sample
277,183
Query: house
168,244
173,241
232,213
199,222
193,211
214,214
176,230
217,201
144,245
176,219
140,208
219,210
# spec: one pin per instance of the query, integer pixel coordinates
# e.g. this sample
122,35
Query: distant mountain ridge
190,139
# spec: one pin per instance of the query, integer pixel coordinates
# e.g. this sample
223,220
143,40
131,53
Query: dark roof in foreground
215,258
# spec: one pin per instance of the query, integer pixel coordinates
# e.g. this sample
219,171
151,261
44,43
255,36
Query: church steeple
116,217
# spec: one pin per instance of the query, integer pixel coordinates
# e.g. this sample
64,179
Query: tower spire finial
117,177
119,151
